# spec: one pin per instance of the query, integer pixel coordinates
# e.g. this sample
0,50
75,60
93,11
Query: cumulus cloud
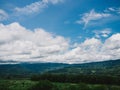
92,50
18,44
111,46
91,16
102,33
35,7
3,15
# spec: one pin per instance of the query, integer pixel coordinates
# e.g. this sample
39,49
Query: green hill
27,69
111,67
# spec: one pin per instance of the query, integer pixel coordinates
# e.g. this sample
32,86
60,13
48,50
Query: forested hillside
26,69
111,67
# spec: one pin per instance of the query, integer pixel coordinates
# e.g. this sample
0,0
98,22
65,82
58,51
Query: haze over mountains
111,67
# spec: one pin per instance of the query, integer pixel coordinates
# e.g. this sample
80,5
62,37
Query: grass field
27,84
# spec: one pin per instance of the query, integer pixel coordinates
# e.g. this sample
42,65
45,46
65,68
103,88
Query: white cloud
52,1
35,7
113,9
91,16
93,50
86,51
102,33
112,46
3,15
32,8
22,45
18,43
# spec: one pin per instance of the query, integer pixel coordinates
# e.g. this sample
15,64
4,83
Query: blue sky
76,21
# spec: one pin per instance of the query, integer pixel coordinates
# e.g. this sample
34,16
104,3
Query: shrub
83,86
42,85
100,87
4,85
73,87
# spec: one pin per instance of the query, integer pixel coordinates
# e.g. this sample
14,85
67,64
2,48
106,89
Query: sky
59,31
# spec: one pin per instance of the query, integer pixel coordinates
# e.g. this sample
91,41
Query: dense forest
69,78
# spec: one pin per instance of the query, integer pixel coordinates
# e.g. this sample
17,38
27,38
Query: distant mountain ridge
27,69
111,67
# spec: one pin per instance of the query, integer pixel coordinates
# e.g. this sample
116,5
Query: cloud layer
22,45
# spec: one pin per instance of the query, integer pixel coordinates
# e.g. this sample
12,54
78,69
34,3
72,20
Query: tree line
67,78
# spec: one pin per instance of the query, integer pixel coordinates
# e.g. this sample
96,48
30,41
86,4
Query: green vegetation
42,85
15,84
52,76
47,85
25,70
105,68
73,78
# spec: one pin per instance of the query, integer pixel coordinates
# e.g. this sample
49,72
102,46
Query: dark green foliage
101,87
4,85
47,85
15,84
42,85
4,88
80,86
67,78
83,86
73,87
